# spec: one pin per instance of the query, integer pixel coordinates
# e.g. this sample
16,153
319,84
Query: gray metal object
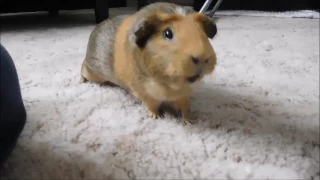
206,5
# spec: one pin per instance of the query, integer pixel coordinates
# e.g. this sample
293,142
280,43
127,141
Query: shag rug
258,112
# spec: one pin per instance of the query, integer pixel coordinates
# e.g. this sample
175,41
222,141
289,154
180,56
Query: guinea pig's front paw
156,114
188,121
182,109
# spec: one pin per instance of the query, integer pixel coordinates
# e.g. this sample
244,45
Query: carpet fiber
258,112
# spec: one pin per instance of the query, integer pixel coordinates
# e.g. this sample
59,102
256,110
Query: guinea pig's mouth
192,79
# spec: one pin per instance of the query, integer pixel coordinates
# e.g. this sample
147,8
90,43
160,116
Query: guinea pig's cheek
209,70
196,83
210,67
206,71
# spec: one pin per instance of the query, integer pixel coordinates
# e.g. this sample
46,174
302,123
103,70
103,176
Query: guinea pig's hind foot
83,79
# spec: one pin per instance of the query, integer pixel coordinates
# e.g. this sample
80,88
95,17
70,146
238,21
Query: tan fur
153,69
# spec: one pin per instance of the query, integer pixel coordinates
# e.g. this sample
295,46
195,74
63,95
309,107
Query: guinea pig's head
174,48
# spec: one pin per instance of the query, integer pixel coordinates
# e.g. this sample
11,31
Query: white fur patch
181,10
174,86
159,92
139,24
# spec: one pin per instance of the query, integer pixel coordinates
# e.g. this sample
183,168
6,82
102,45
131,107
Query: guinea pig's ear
148,26
209,26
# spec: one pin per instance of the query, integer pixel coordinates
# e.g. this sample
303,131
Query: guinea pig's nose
195,60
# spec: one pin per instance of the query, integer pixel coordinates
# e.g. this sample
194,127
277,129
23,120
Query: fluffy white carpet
292,14
258,113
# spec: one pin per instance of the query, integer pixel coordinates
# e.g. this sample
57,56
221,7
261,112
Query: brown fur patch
150,26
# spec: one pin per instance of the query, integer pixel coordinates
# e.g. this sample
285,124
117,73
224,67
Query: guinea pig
156,53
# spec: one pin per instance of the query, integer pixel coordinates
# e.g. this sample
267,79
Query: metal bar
215,8
205,6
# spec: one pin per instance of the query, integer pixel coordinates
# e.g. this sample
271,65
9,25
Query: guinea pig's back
100,49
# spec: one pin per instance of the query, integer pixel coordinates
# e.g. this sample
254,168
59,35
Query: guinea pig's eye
168,34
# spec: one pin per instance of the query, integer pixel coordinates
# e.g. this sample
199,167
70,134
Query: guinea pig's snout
200,65
195,60
198,61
